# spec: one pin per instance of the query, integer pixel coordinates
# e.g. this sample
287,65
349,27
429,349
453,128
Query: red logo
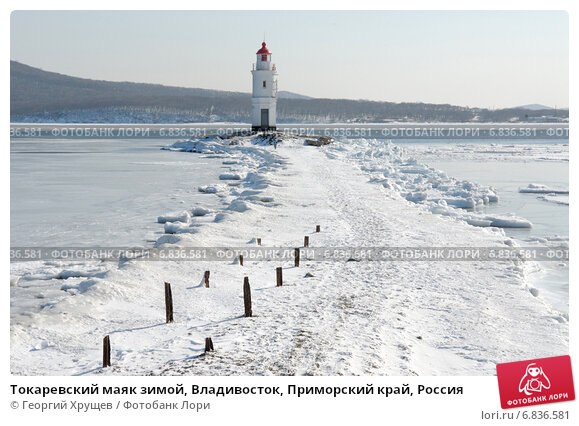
536,381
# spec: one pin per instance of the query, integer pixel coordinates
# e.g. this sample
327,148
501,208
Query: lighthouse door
264,119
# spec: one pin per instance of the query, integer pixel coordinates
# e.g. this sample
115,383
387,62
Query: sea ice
555,198
536,188
178,228
183,216
230,176
213,189
394,169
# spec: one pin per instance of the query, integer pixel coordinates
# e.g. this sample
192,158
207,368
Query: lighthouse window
264,58
263,83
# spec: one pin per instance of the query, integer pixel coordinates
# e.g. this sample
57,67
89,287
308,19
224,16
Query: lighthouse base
264,129
263,116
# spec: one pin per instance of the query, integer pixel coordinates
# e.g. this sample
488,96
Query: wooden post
241,259
306,241
208,344
278,273
297,257
206,279
318,229
168,303
259,241
247,297
106,352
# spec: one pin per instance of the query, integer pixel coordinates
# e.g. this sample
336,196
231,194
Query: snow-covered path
347,318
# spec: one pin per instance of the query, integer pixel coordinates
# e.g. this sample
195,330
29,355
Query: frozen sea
507,168
111,192
82,193
91,193
500,168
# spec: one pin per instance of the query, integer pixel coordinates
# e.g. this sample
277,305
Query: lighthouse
264,94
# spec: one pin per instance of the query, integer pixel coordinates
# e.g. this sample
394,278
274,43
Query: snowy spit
334,317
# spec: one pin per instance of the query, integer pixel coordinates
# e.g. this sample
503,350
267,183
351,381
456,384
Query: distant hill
33,91
534,107
42,96
284,94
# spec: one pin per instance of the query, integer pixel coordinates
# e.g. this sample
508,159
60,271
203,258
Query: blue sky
487,59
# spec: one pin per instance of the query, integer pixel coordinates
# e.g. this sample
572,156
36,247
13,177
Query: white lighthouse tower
264,94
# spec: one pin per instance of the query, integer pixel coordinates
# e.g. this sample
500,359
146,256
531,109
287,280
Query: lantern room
263,61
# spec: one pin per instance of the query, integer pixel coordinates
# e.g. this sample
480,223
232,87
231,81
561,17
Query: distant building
264,94
545,119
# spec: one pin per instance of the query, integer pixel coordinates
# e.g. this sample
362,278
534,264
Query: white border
481,393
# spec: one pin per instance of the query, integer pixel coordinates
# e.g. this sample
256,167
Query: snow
555,198
214,145
508,222
200,211
230,176
546,193
238,206
213,189
482,152
178,228
344,318
175,217
391,166
535,188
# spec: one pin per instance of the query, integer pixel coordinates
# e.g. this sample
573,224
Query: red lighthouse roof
263,50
